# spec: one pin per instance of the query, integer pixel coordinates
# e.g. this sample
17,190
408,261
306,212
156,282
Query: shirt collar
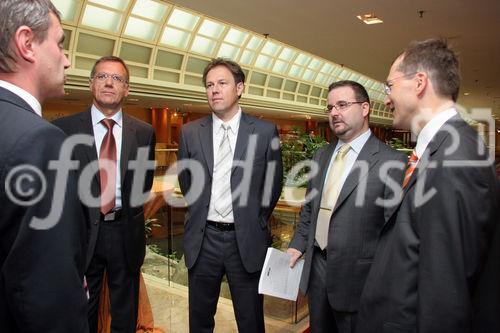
234,122
26,96
98,116
431,128
356,144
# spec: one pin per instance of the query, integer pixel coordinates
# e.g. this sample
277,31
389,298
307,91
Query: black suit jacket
354,228
252,230
135,134
432,249
41,277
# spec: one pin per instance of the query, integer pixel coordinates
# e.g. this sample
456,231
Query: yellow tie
331,191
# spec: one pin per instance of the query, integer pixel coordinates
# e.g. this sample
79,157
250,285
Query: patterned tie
107,171
412,164
331,191
222,176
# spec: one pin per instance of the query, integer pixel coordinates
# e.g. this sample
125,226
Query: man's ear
239,88
421,82
23,43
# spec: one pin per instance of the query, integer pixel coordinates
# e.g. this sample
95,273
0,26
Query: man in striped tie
226,229
431,252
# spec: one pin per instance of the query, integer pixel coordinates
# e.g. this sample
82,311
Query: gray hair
16,13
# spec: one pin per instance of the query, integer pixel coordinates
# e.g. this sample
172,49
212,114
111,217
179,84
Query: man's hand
296,254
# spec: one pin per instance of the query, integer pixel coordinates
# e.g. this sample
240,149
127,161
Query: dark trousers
322,317
219,255
123,284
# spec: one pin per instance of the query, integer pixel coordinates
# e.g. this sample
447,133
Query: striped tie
412,164
222,176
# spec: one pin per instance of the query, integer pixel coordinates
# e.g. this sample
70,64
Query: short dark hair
113,59
34,14
232,66
359,91
435,57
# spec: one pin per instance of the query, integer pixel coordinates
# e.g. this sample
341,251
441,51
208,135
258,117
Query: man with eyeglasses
116,227
431,252
339,227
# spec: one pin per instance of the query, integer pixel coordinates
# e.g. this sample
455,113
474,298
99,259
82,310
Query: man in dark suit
432,250
42,227
116,226
226,229
346,209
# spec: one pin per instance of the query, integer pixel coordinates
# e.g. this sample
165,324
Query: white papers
277,278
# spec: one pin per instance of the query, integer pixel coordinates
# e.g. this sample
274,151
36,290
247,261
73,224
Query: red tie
107,170
412,163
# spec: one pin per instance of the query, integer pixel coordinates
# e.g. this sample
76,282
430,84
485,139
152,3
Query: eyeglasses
388,85
115,77
340,106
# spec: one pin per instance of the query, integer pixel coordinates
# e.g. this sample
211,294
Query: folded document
277,278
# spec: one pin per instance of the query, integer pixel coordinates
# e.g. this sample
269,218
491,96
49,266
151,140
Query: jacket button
201,229
96,222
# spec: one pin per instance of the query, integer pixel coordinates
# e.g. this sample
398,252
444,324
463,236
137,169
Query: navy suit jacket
41,271
432,249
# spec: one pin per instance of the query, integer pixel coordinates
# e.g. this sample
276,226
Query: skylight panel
101,18
176,38
211,29
183,20
150,9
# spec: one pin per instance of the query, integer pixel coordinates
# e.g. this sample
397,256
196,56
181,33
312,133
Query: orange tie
107,171
412,164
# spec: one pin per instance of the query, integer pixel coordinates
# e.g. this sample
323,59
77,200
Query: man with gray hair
41,265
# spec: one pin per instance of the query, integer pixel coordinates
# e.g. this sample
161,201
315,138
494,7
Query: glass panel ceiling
101,18
236,37
115,4
192,32
67,8
150,9
182,19
211,29
141,29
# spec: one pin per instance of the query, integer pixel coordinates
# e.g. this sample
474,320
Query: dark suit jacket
431,252
41,277
252,230
135,134
354,229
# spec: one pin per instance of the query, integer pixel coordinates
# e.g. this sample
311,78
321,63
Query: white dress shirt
431,128
100,131
26,96
217,133
351,157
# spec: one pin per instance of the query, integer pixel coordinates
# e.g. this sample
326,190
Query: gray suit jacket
41,271
255,139
432,249
354,229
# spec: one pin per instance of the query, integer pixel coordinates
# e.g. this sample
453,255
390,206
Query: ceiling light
466,93
369,18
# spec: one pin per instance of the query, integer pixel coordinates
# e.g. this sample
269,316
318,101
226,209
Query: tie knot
108,122
344,150
413,157
226,127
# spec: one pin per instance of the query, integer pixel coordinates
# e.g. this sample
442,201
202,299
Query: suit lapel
246,128
129,144
424,161
90,151
10,97
368,154
206,140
